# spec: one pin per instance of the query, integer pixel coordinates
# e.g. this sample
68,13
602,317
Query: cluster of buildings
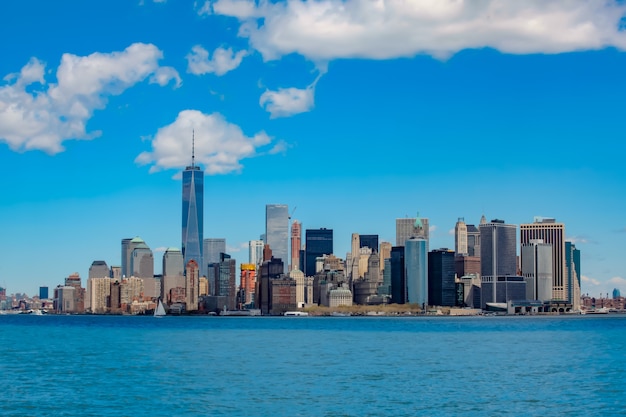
288,268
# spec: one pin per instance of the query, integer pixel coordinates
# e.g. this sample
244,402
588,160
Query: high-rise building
43,293
460,237
552,233
192,285
296,245
98,293
369,241
498,255
319,242
226,283
416,270
99,269
473,241
397,274
173,263
441,283
277,231
572,262
248,284
141,259
537,268
255,252
385,253
192,214
126,250
411,227
212,249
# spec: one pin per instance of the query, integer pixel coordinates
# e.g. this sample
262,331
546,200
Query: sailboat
160,310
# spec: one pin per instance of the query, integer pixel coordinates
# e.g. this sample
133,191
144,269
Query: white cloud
451,232
330,29
432,228
577,239
163,75
219,145
222,61
589,281
618,281
287,101
43,116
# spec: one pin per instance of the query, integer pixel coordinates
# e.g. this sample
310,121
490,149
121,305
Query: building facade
277,231
441,274
193,214
319,242
296,245
416,270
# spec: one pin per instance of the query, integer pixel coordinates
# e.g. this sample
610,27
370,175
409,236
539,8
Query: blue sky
353,113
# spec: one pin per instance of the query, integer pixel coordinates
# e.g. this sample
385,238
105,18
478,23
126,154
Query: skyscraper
99,269
397,273
552,233
255,255
192,214
572,262
460,237
212,249
141,259
411,227
416,270
498,256
318,242
369,241
296,244
126,257
537,267
441,285
277,231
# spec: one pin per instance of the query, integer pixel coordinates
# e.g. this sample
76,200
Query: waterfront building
43,293
282,295
416,270
64,299
213,247
460,237
98,294
385,288
572,263
298,277
553,233
226,283
173,275
192,271
73,280
193,214
411,227
397,273
338,297
269,270
353,259
248,283
319,242
255,252
99,269
441,274
115,297
507,288
471,291
277,231
296,245
537,268
498,254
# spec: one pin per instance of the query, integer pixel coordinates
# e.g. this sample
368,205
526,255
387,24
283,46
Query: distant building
552,233
248,284
173,276
616,293
98,295
411,227
473,241
126,250
498,254
369,241
296,245
385,253
226,283
502,289
537,268
191,285
467,265
416,270
255,252
268,271
338,297
141,259
397,273
99,269
298,277
43,293
73,280
277,231
193,216
212,249
282,295
460,237
64,299
319,242
572,264
441,282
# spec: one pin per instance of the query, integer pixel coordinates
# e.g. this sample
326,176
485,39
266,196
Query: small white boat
160,310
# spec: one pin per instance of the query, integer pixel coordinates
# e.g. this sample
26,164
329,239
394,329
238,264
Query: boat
160,310
296,314
602,310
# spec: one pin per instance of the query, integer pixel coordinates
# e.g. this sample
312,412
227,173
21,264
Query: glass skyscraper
318,242
193,209
277,231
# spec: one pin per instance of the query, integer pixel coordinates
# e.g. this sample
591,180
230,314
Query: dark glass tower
193,209
318,242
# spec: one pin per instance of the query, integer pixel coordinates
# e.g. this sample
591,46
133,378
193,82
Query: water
258,366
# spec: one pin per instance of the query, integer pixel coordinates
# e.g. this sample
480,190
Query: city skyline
510,123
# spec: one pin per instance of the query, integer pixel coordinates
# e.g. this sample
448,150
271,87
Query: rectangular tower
411,227
552,233
277,231
318,242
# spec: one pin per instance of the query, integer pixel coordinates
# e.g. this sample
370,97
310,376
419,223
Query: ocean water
307,366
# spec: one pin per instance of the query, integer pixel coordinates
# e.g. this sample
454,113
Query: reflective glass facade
192,218
318,242
277,231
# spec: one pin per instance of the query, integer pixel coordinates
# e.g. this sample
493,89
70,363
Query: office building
473,241
460,237
98,294
141,259
537,268
99,269
212,249
319,242
43,293
173,275
255,248
572,263
416,271
73,280
441,274
467,265
192,272
498,255
411,227
247,284
277,231
398,281
192,213
552,233
369,241
296,245
226,282
385,253
126,257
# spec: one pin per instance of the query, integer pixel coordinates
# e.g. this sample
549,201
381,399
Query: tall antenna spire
193,148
